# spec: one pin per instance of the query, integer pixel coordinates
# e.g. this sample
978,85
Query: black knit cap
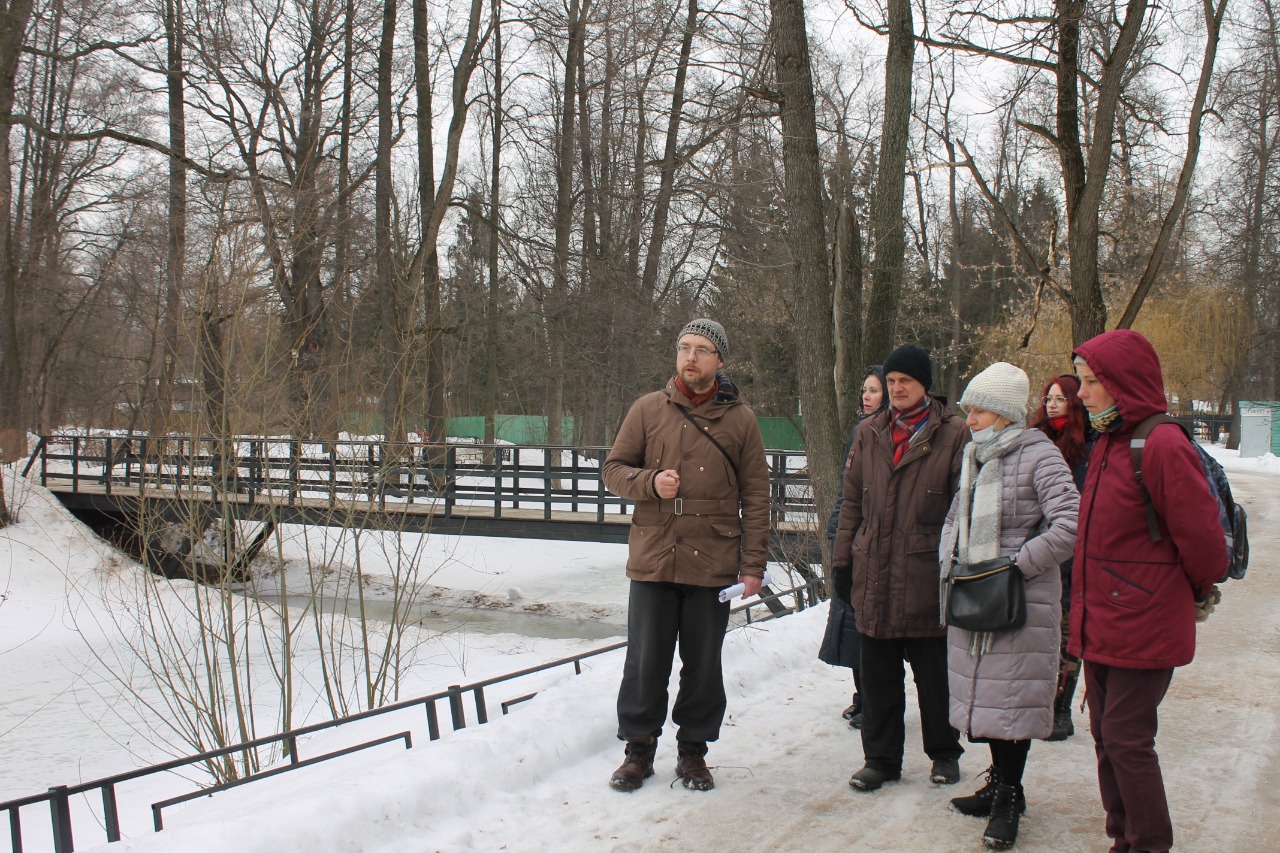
913,361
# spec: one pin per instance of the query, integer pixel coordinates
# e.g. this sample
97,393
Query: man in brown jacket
692,459
899,479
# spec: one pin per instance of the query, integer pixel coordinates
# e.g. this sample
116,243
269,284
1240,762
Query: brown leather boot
638,765
691,766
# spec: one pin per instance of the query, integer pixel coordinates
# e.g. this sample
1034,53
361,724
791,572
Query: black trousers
884,700
662,616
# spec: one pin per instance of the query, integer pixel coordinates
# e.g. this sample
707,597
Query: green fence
778,433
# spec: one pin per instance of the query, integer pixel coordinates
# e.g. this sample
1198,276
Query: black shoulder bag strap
711,438
1136,444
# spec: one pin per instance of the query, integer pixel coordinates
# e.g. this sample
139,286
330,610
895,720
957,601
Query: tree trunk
847,309
495,217
175,265
806,235
887,230
13,414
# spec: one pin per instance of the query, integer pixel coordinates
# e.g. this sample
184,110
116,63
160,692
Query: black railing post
546,483
497,484
450,478
295,448
110,813
75,463
455,707
600,454
482,712
433,721
15,830
291,749
60,811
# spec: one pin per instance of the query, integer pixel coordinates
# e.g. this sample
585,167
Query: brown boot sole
619,783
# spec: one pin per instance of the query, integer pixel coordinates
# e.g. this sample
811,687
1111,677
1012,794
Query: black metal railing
58,798
286,470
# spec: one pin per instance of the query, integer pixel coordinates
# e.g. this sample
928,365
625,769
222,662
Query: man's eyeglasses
683,350
1048,400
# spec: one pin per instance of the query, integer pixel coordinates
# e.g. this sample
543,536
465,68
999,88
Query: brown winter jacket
703,541
891,522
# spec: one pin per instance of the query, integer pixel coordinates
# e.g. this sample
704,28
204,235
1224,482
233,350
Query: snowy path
536,780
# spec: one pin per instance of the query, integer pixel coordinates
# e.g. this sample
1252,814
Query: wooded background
292,216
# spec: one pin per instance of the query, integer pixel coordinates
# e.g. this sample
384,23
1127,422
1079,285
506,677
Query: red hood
1127,366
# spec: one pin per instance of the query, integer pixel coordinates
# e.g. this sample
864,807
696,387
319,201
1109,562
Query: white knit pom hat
1001,388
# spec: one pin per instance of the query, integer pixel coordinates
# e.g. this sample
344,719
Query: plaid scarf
975,527
906,424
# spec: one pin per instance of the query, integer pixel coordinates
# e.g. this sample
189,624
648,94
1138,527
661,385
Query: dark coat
723,527
1132,599
891,522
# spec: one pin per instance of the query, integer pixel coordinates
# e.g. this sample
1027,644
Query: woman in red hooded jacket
1133,600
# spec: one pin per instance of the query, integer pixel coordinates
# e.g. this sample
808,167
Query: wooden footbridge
538,492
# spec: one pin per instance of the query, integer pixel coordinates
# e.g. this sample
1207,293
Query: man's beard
701,385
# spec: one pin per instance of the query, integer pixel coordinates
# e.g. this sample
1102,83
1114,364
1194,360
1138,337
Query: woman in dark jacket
1063,418
840,646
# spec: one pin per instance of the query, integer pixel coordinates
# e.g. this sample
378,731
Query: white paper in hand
730,592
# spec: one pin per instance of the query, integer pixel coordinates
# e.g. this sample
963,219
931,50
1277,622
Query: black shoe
638,765
870,779
1002,828
1063,728
978,804
854,709
855,722
946,771
691,766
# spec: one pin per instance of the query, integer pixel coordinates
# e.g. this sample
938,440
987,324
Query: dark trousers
1123,706
884,700
660,617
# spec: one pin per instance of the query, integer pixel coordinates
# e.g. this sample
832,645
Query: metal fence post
60,812
455,707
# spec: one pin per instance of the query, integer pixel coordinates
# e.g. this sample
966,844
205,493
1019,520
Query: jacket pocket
1123,591
933,507
654,453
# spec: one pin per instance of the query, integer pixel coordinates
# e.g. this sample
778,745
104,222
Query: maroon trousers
1123,705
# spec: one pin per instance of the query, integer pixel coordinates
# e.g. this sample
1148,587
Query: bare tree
806,233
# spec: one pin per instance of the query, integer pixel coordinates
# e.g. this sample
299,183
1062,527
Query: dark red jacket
1132,599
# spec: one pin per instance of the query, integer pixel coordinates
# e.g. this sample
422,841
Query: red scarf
1059,423
695,400
905,425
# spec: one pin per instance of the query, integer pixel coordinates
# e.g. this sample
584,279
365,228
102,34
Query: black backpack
1231,516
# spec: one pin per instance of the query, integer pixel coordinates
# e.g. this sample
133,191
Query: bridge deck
525,492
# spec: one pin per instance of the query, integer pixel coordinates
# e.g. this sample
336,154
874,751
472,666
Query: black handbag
988,596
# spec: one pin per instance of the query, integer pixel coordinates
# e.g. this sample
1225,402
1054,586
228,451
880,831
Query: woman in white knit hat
1016,499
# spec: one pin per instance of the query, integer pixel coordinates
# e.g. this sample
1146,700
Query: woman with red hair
1063,418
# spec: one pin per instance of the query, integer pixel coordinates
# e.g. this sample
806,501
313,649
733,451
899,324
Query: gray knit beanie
1001,388
712,331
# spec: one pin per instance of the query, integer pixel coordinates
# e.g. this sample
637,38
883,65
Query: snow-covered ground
536,779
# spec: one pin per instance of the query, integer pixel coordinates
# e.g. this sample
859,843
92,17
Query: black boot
638,765
691,766
1063,728
978,804
1002,828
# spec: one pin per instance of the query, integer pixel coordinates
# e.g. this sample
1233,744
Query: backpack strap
1136,443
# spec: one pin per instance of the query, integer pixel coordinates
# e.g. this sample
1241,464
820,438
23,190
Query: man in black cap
899,479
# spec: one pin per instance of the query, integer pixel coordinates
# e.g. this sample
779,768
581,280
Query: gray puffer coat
1007,692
